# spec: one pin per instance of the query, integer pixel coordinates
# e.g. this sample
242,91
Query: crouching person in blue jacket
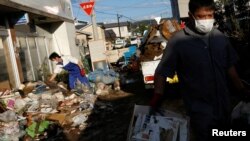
73,66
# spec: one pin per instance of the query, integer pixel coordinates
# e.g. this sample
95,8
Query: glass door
25,59
44,69
34,58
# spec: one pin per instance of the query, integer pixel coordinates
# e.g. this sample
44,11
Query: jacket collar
189,31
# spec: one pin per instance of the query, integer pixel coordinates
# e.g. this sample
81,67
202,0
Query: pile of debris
155,40
45,110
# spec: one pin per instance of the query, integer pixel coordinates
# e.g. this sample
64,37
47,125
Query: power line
77,11
120,15
115,14
153,12
136,5
104,12
128,18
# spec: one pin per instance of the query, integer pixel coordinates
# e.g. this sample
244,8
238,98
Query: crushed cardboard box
169,126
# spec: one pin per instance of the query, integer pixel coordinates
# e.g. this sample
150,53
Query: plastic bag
79,119
8,116
241,110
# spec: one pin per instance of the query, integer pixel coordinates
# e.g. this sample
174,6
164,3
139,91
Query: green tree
141,28
232,17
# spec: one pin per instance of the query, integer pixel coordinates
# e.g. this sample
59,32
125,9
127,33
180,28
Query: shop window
25,59
34,58
44,69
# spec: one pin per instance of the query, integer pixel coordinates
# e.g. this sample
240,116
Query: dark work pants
202,125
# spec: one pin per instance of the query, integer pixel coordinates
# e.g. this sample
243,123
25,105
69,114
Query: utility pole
118,17
93,19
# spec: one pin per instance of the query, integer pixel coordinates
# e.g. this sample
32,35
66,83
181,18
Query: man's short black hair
54,55
196,4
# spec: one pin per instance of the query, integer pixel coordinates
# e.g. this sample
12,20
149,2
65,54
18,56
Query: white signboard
97,51
20,19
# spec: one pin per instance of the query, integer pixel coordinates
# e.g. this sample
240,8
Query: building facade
89,29
29,31
120,30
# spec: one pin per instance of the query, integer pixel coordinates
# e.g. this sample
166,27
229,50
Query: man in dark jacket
203,59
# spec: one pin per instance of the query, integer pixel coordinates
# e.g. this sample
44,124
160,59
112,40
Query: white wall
71,36
56,7
100,31
183,8
82,39
64,39
44,31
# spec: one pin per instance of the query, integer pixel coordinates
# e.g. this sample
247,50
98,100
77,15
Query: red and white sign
88,7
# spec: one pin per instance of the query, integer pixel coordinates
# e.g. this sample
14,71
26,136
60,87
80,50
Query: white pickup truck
154,42
148,71
120,43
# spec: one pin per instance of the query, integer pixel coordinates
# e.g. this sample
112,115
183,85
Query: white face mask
204,26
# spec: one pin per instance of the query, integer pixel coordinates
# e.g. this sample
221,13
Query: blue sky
131,10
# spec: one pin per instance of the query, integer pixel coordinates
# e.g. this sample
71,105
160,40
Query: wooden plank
11,81
112,55
121,51
16,49
5,85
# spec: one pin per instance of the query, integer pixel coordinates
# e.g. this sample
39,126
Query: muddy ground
112,122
